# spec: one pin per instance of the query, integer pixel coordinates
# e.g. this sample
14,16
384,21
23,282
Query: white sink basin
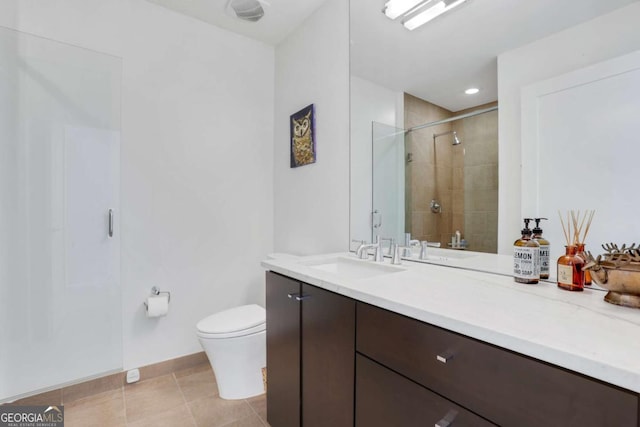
352,268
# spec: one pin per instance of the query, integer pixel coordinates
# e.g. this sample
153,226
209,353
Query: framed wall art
303,137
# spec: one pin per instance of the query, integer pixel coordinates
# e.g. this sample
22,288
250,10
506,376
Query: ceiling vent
247,10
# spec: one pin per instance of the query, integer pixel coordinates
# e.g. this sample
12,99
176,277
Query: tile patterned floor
184,398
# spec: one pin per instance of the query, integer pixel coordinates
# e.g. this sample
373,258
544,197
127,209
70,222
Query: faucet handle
378,256
391,241
406,251
397,258
423,249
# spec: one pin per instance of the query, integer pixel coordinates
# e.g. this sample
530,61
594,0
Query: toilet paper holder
156,291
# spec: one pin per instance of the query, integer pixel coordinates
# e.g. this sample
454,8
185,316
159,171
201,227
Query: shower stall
435,178
60,303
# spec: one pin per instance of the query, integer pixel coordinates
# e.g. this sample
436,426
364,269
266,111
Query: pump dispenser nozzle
537,229
526,231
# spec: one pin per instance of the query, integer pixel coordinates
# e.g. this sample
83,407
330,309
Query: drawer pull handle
448,419
444,358
298,296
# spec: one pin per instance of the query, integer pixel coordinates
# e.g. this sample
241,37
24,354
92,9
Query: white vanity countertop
575,330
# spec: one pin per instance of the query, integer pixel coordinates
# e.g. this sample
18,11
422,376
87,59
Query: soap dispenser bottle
544,249
526,257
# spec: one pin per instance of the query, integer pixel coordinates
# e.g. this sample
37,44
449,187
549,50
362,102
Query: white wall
312,67
605,37
587,121
197,159
369,102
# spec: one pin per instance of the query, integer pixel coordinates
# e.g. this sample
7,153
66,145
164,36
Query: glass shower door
60,304
387,218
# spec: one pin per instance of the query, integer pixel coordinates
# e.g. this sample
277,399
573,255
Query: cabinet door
283,351
328,351
386,399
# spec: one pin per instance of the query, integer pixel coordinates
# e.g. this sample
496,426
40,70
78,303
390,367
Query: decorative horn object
618,271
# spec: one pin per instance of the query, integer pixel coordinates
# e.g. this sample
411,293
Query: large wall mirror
424,154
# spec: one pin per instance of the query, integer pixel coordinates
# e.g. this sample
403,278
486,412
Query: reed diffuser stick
586,231
584,218
564,229
576,231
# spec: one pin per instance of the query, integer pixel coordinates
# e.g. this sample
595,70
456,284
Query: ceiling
441,59
435,62
280,18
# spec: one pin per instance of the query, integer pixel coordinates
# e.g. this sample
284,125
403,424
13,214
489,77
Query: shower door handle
110,222
374,214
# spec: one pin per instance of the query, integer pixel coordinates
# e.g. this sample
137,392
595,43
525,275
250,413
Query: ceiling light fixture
396,8
428,11
472,91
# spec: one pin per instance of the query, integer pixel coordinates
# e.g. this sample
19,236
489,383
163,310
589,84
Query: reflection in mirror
449,169
467,48
388,213
452,177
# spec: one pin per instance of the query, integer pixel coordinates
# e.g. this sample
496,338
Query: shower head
456,140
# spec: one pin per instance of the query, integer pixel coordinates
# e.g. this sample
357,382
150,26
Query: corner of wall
311,203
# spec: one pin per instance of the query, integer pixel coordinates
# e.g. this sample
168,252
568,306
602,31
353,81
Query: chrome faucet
361,252
408,244
423,248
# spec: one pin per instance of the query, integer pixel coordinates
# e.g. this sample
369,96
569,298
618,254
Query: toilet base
237,364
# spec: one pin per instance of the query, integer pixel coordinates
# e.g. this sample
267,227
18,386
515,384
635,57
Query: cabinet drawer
506,388
386,399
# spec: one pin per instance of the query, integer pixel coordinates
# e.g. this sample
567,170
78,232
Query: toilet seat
235,322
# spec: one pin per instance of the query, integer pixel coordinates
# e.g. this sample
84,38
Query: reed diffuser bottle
570,274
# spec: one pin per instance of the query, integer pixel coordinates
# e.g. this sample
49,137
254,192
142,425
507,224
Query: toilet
235,343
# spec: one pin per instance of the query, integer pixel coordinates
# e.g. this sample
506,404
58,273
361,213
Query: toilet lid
233,320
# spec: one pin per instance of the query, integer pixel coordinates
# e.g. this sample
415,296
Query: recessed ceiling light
472,91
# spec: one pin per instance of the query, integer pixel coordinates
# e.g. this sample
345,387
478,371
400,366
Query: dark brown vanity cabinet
310,355
323,349
503,387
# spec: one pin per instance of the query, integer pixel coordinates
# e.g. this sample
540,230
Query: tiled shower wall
462,178
430,174
479,136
